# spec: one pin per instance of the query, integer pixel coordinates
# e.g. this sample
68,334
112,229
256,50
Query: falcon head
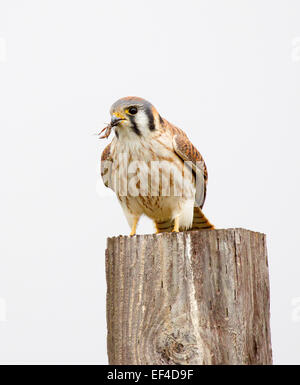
133,116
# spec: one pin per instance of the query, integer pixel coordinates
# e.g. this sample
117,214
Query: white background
227,72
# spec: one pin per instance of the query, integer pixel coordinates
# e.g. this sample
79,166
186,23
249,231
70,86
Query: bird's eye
132,110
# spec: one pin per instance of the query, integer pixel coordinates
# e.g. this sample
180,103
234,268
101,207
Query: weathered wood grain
197,297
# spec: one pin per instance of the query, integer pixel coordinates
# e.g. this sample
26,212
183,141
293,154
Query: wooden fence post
196,297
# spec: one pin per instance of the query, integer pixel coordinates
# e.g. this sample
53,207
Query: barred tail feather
164,227
200,222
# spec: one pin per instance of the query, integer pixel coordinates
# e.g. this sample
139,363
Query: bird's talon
133,228
176,225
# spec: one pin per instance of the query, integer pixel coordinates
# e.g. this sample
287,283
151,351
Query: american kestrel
153,168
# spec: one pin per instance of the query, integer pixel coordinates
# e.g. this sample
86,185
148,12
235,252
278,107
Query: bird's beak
115,120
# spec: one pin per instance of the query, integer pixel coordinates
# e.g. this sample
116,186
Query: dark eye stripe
150,118
134,125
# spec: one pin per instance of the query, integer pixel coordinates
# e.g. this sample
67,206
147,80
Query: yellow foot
176,225
133,228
